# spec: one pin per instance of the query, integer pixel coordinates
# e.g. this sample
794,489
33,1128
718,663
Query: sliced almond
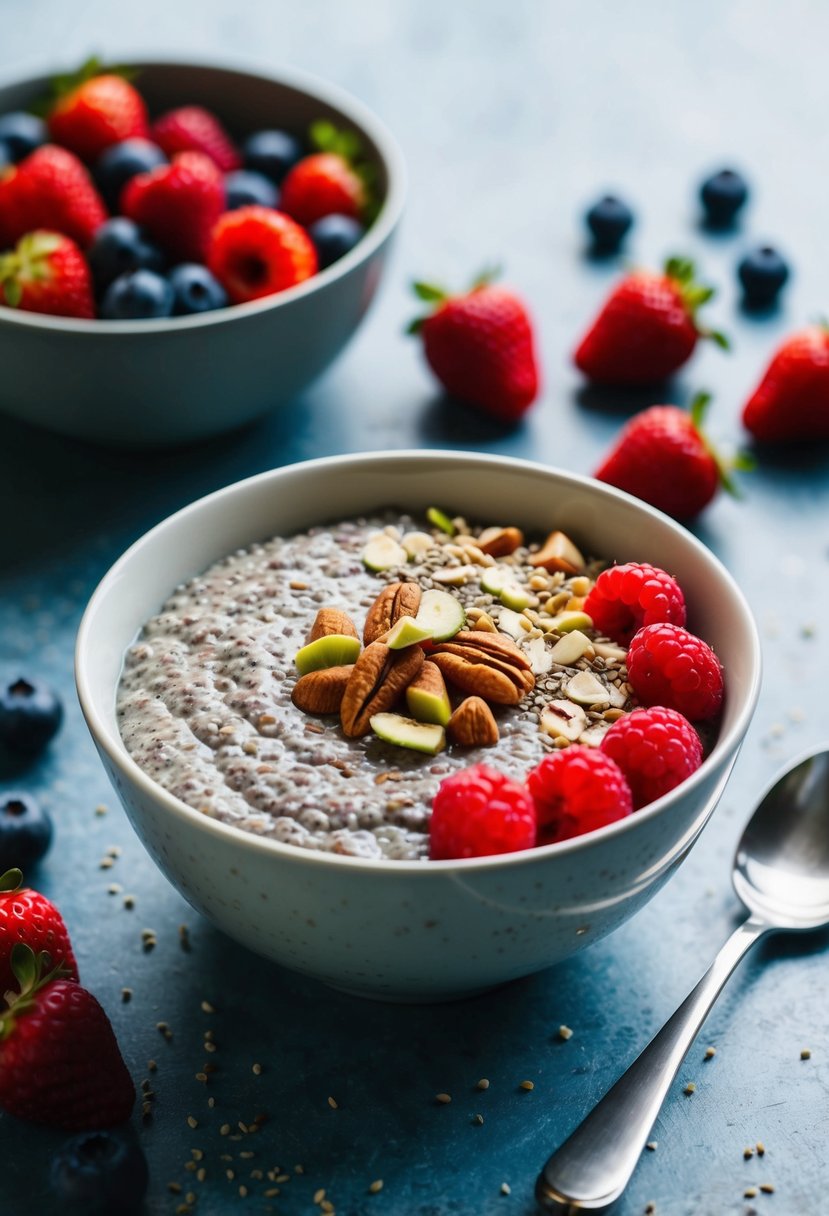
570,648
509,622
592,737
587,689
541,659
611,652
564,720
559,553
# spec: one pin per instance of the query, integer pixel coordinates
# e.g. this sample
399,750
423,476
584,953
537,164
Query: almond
332,620
559,553
473,725
321,692
394,601
500,542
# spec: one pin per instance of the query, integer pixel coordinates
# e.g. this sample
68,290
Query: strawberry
51,189
47,273
791,402
27,916
194,129
647,327
95,110
328,181
178,204
59,1059
255,251
663,457
480,346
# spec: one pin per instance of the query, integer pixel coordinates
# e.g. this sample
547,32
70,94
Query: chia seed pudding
205,699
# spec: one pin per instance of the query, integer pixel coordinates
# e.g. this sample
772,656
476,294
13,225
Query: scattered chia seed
710,1052
482,1084
478,1119
748,1152
761,1148
652,1145
806,1054
192,1122
526,1085
207,1007
750,1192
564,1032
332,1102
767,1188
690,1088
126,995
443,1099
506,1189
375,1187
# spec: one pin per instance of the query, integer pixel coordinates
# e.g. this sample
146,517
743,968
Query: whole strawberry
95,110
50,188
27,916
663,457
328,182
59,1059
194,129
647,327
791,402
481,347
178,204
47,273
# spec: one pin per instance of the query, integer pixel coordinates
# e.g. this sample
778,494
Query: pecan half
473,725
487,665
332,620
377,679
394,601
321,692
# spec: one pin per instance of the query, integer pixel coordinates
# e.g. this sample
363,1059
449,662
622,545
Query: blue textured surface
511,117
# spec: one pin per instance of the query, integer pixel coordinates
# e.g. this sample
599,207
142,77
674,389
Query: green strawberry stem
740,462
682,271
432,293
32,972
28,262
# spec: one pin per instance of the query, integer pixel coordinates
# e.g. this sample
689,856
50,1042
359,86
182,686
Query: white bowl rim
369,243
117,753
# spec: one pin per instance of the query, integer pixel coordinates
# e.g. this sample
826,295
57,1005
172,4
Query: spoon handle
591,1169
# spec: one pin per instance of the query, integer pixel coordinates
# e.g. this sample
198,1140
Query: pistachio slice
332,650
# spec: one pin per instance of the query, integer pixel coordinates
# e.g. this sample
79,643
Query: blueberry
762,273
272,153
334,236
722,196
22,133
137,296
120,162
245,188
25,831
195,289
609,221
101,1174
119,246
30,715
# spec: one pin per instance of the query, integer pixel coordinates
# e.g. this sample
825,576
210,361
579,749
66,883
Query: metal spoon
781,874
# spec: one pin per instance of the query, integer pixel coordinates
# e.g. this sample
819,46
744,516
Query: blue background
511,118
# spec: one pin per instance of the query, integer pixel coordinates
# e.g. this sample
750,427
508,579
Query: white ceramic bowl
414,930
145,383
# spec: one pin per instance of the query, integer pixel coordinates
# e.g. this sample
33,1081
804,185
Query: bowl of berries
189,245
384,737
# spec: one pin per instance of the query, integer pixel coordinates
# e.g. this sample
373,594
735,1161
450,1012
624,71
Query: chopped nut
443,1099
564,1032
690,1088
526,1085
375,1186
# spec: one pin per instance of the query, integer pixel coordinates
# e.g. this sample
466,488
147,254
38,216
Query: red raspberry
178,204
627,597
479,812
194,129
667,665
255,251
577,790
655,748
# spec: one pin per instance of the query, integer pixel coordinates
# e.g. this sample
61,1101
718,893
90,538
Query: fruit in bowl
173,178
222,233
319,847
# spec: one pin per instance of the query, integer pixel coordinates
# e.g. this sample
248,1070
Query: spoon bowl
781,873
781,867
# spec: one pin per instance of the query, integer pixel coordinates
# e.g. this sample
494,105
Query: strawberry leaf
12,880
699,408
429,292
488,275
13,293
25,966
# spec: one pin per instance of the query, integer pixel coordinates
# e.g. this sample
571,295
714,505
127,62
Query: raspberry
577,790
655,748
479,812
667,665
255,251
627,597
